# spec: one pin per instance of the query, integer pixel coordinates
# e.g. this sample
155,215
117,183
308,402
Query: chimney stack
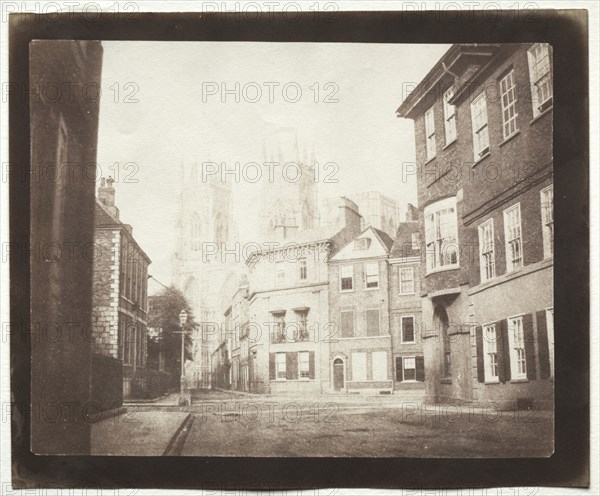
106,196
412,213
349,215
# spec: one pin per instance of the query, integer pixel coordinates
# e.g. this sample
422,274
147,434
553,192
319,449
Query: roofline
121,226
285,247
370,226
357,260
437,72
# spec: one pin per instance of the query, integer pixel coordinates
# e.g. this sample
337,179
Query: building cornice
404,260
287,289
508,194
467,54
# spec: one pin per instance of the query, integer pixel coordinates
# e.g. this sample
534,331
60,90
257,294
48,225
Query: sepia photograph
294,241
255,278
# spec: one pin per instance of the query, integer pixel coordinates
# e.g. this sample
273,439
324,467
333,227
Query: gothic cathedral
205,229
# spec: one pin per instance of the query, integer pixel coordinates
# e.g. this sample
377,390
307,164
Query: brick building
404,266
120,303
483,131
289,309
361,344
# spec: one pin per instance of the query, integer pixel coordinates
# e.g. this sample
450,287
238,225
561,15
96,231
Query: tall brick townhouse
120,304
374,302
360,346
483,131
404,266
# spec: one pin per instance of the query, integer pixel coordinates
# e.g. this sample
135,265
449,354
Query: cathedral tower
289,199
205,231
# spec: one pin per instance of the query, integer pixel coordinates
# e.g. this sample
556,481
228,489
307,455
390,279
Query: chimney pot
106,196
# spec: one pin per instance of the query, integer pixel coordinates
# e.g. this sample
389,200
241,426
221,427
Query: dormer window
361,244
414,241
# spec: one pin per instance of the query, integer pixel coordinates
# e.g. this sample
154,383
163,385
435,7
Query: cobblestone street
225,424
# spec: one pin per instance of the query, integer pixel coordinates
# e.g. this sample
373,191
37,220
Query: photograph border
566,31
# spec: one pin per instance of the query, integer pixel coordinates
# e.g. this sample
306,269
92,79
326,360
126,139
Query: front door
338,374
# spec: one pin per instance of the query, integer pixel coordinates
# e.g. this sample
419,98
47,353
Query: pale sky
156,110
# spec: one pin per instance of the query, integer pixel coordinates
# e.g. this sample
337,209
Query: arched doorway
339,372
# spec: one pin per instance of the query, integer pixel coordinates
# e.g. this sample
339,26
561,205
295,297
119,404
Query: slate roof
402,247
388,241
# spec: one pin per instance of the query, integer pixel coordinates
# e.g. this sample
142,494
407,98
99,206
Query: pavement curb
240,393
177,441
115,412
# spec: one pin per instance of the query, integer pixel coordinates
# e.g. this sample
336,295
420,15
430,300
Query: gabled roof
387,240
102,218
403,246
382,248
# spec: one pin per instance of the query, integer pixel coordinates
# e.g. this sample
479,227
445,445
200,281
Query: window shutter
295,373
272,366
311,364
399,376
289,371
543,347
529,346
503,350
420,368
479,347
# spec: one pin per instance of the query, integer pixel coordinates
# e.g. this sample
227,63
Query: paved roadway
226,424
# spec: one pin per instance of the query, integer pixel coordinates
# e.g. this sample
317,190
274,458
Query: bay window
441,237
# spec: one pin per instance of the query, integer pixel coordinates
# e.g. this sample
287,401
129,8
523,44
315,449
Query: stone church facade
205,231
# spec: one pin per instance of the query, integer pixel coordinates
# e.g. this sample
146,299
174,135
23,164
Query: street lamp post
182,320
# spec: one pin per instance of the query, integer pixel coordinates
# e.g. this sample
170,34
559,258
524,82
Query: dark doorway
338,374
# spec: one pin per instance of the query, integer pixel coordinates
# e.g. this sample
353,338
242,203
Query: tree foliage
164,315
